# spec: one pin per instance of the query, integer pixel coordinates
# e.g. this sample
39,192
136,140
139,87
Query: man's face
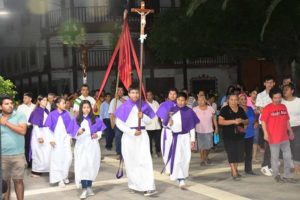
68,105
134,95
7,106
277,98
172,95
181,102
286,81
149,96
269,84
85,91
287,92
50,98
107,98
120,92
26,100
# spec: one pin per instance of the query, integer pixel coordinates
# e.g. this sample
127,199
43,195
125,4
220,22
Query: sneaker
150,193
202,163
266,171
83,194
290,180
236,178
66,181
90,192
251,173
182,184
278,179
61,184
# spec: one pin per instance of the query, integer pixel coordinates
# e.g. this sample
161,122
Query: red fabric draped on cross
125,48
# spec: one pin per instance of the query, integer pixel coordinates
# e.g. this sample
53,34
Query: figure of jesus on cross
143,12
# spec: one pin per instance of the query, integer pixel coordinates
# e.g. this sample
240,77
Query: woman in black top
233,119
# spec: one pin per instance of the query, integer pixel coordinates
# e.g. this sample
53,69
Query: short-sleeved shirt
12,142
206,119
276,118
262,100
112,105
229,131
78,101
251,119
293,108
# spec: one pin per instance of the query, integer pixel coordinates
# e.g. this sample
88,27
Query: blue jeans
118,140
86,183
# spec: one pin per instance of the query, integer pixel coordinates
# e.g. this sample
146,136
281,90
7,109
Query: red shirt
276,118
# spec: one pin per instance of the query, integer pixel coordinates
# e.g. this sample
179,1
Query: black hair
84,85
133,86
5,97
275,90
51,94
58,100
287,77
268,78
230,89
211,96
201,91
107,94
38,99
237,90
173,90
182,94
290,85
79,118
28,94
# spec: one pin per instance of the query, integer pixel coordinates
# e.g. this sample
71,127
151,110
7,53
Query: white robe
168,142
87,155
136,153
40,151
183,149
61,154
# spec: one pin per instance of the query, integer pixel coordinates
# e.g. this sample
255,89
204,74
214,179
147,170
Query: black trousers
248,154
267,156
109,134
27,145
154,135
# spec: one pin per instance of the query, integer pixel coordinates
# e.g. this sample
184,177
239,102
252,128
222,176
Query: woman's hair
79,118
39,99
58,100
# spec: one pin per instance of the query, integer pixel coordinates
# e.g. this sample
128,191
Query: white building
32,53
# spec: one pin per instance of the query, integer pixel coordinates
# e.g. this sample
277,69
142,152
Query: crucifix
143,12
83,50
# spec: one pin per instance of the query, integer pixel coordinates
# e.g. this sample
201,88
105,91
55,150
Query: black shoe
278,179
251,173
239,175
290,180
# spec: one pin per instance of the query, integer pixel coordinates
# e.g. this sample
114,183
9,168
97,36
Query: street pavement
205,183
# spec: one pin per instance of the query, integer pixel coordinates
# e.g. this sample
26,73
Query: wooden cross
143,12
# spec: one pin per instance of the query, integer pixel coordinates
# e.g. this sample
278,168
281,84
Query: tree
7,87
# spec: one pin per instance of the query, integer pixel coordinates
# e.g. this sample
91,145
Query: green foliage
7,87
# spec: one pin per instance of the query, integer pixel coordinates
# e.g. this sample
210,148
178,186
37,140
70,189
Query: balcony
89,16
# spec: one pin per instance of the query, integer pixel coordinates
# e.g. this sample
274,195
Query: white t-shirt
112,107
26,109
293,108
262,100
154,125
81,98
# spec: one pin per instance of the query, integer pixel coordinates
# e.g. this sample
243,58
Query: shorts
205,141
256,136
13,167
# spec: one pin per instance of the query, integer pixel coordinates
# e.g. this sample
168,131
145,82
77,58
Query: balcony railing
97,58
95,14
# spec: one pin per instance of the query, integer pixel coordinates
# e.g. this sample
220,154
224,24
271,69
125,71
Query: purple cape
74,127
37,116
123,111
163,111
189,118
52,119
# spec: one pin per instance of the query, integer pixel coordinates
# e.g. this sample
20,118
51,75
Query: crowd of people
45,136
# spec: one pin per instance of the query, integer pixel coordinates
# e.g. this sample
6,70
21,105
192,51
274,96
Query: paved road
205,183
